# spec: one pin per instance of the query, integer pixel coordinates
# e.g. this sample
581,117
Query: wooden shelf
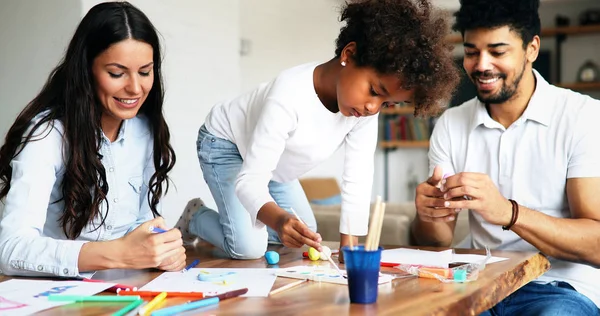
398,110
404,144
581,86
570,30
456,38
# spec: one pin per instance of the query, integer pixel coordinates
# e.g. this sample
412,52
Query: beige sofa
396,223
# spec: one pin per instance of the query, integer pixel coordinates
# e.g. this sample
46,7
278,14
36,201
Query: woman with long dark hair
84,166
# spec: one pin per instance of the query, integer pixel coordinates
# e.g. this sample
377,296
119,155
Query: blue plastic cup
362,267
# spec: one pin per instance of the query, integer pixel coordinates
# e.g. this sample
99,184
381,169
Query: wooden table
404,296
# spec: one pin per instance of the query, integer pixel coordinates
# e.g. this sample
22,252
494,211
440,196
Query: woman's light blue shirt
32,242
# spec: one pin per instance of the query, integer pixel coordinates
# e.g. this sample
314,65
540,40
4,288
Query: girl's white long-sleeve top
282,130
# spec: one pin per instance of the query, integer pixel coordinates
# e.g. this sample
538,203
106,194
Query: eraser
272,257
460,275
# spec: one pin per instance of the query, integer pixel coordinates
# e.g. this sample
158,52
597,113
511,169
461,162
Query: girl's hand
295,234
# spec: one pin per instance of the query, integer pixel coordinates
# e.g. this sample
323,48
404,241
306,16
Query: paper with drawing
258,281
322,274
24,297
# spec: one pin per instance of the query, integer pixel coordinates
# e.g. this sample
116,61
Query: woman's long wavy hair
69,96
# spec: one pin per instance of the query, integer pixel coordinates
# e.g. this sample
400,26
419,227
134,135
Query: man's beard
506,91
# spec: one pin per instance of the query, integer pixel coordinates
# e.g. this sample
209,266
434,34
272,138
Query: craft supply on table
115,288
362,267
178,309
211,277
322,274
363,262
156,230
258,281
305,253
466,272
153,303
191,265
272,257
287,287
92,298
128,308
26,297
169,294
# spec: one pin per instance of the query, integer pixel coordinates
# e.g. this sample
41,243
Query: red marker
115,287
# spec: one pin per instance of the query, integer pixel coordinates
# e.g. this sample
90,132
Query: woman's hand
142,248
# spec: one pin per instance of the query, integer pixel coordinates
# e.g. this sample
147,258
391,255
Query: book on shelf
407,128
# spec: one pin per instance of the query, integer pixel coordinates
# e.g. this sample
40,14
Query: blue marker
174,310
156,230
213,300
191,265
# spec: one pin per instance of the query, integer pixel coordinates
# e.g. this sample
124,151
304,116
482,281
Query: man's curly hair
407,38
520,16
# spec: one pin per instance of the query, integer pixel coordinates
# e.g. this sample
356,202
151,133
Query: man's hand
429,200
481,196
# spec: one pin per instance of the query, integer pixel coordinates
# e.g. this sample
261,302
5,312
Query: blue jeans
555,298
231,228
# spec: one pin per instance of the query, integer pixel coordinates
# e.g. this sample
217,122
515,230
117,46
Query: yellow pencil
153,303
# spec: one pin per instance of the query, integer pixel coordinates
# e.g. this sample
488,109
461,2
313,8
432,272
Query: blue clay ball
272,257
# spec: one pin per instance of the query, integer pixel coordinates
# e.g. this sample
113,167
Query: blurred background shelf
400,110
581,86
404,144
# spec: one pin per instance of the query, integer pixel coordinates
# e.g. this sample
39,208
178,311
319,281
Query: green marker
128,308
94,298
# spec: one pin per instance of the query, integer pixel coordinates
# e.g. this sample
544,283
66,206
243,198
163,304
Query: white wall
201,66
34,35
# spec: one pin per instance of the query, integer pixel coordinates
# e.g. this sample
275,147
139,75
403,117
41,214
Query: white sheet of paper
24,297
440,259
258,281
467,258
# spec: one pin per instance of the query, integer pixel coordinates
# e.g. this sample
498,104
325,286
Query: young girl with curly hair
252,149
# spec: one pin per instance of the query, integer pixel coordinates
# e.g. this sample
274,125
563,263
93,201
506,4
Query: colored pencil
169,294
174,310
92,298
287,286
297,217
128,308
191,265
156,230
153,303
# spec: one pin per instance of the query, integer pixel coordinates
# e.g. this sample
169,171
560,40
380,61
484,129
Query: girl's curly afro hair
407,38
